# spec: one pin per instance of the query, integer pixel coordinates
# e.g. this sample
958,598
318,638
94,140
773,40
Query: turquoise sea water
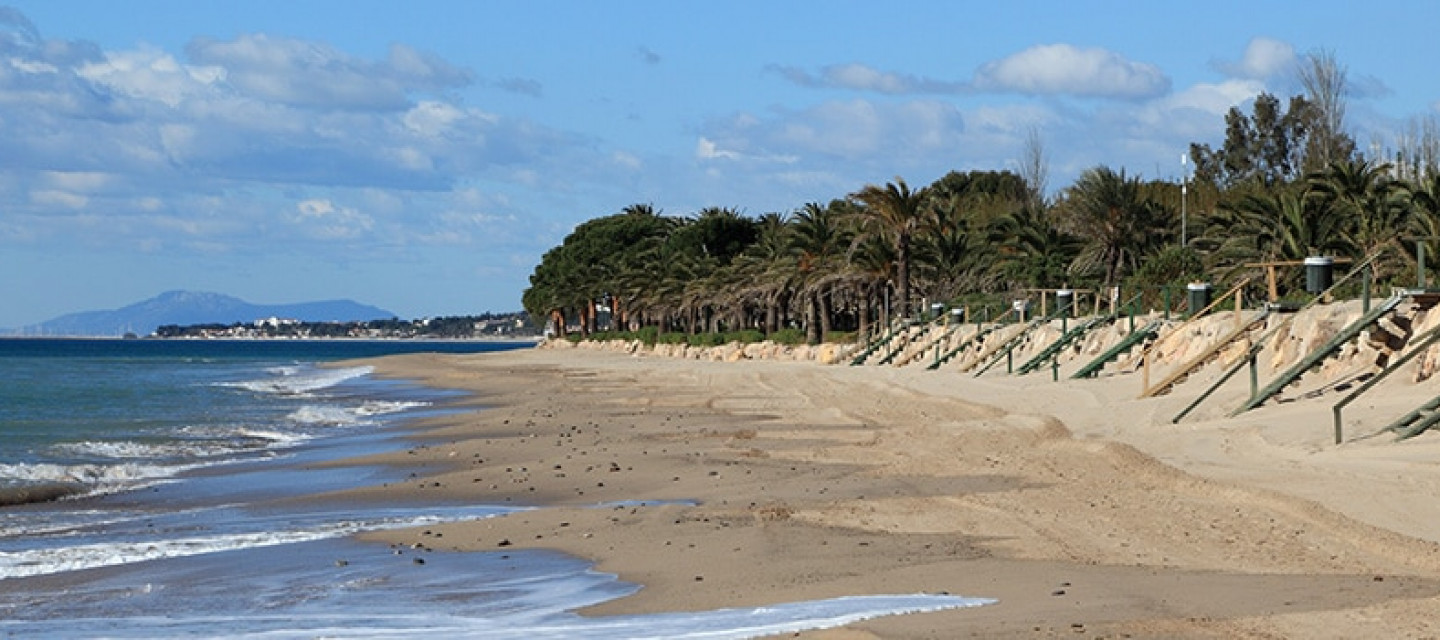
176,458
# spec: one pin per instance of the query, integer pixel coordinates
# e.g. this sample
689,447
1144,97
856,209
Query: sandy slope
1082,509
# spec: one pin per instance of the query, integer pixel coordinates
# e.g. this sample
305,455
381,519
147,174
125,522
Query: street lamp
1184,182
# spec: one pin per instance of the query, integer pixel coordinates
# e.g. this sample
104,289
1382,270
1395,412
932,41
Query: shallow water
186,458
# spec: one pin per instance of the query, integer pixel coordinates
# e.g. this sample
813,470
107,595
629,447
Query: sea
165,488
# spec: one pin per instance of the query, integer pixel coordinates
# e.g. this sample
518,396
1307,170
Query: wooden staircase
1184,371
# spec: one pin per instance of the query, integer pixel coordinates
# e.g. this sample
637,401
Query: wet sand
1082,510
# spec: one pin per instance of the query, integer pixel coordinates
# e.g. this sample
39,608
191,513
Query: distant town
486,326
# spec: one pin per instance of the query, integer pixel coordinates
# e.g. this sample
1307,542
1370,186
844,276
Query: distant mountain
190,307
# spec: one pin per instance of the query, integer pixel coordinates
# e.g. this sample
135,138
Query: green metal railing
1425,341
1135,337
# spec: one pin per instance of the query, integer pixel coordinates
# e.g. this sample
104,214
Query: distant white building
275,323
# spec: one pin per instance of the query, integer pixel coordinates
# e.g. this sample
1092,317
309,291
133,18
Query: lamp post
1184,183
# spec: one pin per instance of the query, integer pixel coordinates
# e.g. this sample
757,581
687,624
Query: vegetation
1286,183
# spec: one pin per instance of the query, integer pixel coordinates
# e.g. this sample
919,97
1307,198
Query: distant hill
190,307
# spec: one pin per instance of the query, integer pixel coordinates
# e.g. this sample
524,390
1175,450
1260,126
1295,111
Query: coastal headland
1084,511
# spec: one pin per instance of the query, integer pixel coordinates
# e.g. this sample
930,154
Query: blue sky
421,156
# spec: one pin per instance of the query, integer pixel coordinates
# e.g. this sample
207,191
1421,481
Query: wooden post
1042,302
1270,282
1239,309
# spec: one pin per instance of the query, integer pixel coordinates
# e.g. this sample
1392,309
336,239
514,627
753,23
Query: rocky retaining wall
828,353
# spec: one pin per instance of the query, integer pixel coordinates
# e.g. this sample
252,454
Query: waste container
1197,296
1064,302
1022,309
1319,273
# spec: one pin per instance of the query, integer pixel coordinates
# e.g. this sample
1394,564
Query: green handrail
1135,337
1429,338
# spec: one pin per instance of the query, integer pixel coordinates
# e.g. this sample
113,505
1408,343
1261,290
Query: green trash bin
1197,296
1319,273
1065,303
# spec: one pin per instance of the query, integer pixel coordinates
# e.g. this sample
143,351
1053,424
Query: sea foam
293,381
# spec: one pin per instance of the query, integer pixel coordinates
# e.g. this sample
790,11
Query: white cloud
59,198
85,181
705,149
1213,98
860,77
1263,59
1069,70
627,161
315,75
150,74
322,219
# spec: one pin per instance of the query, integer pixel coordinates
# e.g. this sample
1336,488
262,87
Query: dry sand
1082,510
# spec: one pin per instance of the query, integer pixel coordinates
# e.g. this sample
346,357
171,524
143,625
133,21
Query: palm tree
1371,205
768,269
1119,224
895,214
1424,221
1030,251
820,240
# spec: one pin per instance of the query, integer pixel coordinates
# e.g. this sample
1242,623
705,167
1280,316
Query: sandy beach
1081,509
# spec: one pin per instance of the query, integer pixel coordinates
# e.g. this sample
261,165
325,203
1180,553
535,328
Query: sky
421,156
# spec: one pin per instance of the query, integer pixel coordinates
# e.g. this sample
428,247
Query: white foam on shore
59,559
97,476
295,381
330,415
719,624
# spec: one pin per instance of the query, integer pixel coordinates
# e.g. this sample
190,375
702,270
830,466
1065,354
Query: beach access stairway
1189,367
1413,423
975,340
1006,348
1312,359
1418,421
1052,351
933,342
1131,340
902,342
899,328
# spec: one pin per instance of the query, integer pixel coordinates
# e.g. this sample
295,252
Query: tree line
1286,183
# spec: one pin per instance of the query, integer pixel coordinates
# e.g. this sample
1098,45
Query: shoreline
813,481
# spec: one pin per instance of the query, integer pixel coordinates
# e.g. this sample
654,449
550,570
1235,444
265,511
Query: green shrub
747,336
672,338
648,335
790,337
841,337
706,340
